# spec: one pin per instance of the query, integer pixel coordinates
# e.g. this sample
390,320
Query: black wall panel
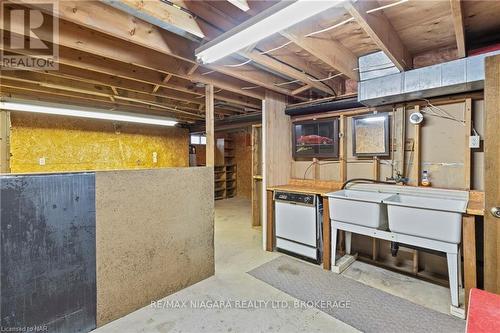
48,277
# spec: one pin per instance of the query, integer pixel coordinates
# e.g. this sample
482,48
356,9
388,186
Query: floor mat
358,305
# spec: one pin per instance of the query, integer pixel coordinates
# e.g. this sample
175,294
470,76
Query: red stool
484,312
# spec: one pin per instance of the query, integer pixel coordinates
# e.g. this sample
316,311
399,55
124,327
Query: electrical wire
209,72
276,48
325,79
330,28
249,88
240,64
435,111
320,164
285,83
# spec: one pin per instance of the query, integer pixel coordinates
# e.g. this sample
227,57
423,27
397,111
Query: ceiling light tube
274,19
87,113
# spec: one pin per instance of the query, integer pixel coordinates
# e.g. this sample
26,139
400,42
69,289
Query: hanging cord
320,164
240,64
261,53
285,83
325,79
330,28
250,88
435,111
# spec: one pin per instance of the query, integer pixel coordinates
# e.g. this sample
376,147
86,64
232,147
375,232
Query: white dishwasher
298,222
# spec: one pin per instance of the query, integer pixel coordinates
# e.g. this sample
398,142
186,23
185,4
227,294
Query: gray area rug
358,305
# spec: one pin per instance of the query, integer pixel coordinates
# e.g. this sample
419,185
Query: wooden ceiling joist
113,22
167,17
458,25
79,65
46,83
381,31
44,94
330,52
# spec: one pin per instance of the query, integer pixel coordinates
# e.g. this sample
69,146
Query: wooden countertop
476,203
308,186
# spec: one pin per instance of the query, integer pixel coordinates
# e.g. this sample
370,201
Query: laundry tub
359,207
428,217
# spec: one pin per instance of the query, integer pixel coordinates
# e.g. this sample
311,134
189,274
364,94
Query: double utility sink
414,214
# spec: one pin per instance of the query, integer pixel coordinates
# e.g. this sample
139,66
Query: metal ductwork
458,76
319,107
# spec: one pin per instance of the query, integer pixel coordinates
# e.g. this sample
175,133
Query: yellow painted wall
76,144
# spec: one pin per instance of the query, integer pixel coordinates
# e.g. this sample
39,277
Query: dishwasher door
296,222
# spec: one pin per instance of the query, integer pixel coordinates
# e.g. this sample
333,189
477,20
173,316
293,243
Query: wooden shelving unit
225,175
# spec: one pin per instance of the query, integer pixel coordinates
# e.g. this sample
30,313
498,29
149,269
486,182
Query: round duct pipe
341,104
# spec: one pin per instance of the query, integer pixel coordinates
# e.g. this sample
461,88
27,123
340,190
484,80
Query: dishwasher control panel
295,198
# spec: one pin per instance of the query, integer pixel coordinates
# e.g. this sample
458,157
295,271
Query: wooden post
327,246
316,169
4,142
256,177
209,125
492,174
467,153
270,222
416,152
469,253
342,149
376,174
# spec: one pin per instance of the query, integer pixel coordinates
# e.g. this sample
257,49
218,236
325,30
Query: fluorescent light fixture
241,4
372,119
87,113
274,19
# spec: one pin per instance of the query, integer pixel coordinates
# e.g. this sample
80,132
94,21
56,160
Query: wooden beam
271,63
224,22
68,84
300,90
168,53
492,174
36,87
381,31
458,24
4,141
469,253
209,125
331,52
416,153
162,15
467,152
241,4
327,246
116,23
343,149
270,222
64,97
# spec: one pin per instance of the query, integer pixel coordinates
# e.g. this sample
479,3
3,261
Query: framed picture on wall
370,135
316,138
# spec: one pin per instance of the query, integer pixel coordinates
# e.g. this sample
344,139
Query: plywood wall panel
278,140
243,158
76,144
154,235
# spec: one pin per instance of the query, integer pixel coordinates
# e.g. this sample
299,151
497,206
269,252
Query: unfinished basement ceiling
111,59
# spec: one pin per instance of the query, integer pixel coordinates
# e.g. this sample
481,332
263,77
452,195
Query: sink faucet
398,179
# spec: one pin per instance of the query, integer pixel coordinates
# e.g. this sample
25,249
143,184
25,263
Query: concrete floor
238,249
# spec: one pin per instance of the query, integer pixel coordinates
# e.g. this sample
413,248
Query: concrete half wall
154,235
